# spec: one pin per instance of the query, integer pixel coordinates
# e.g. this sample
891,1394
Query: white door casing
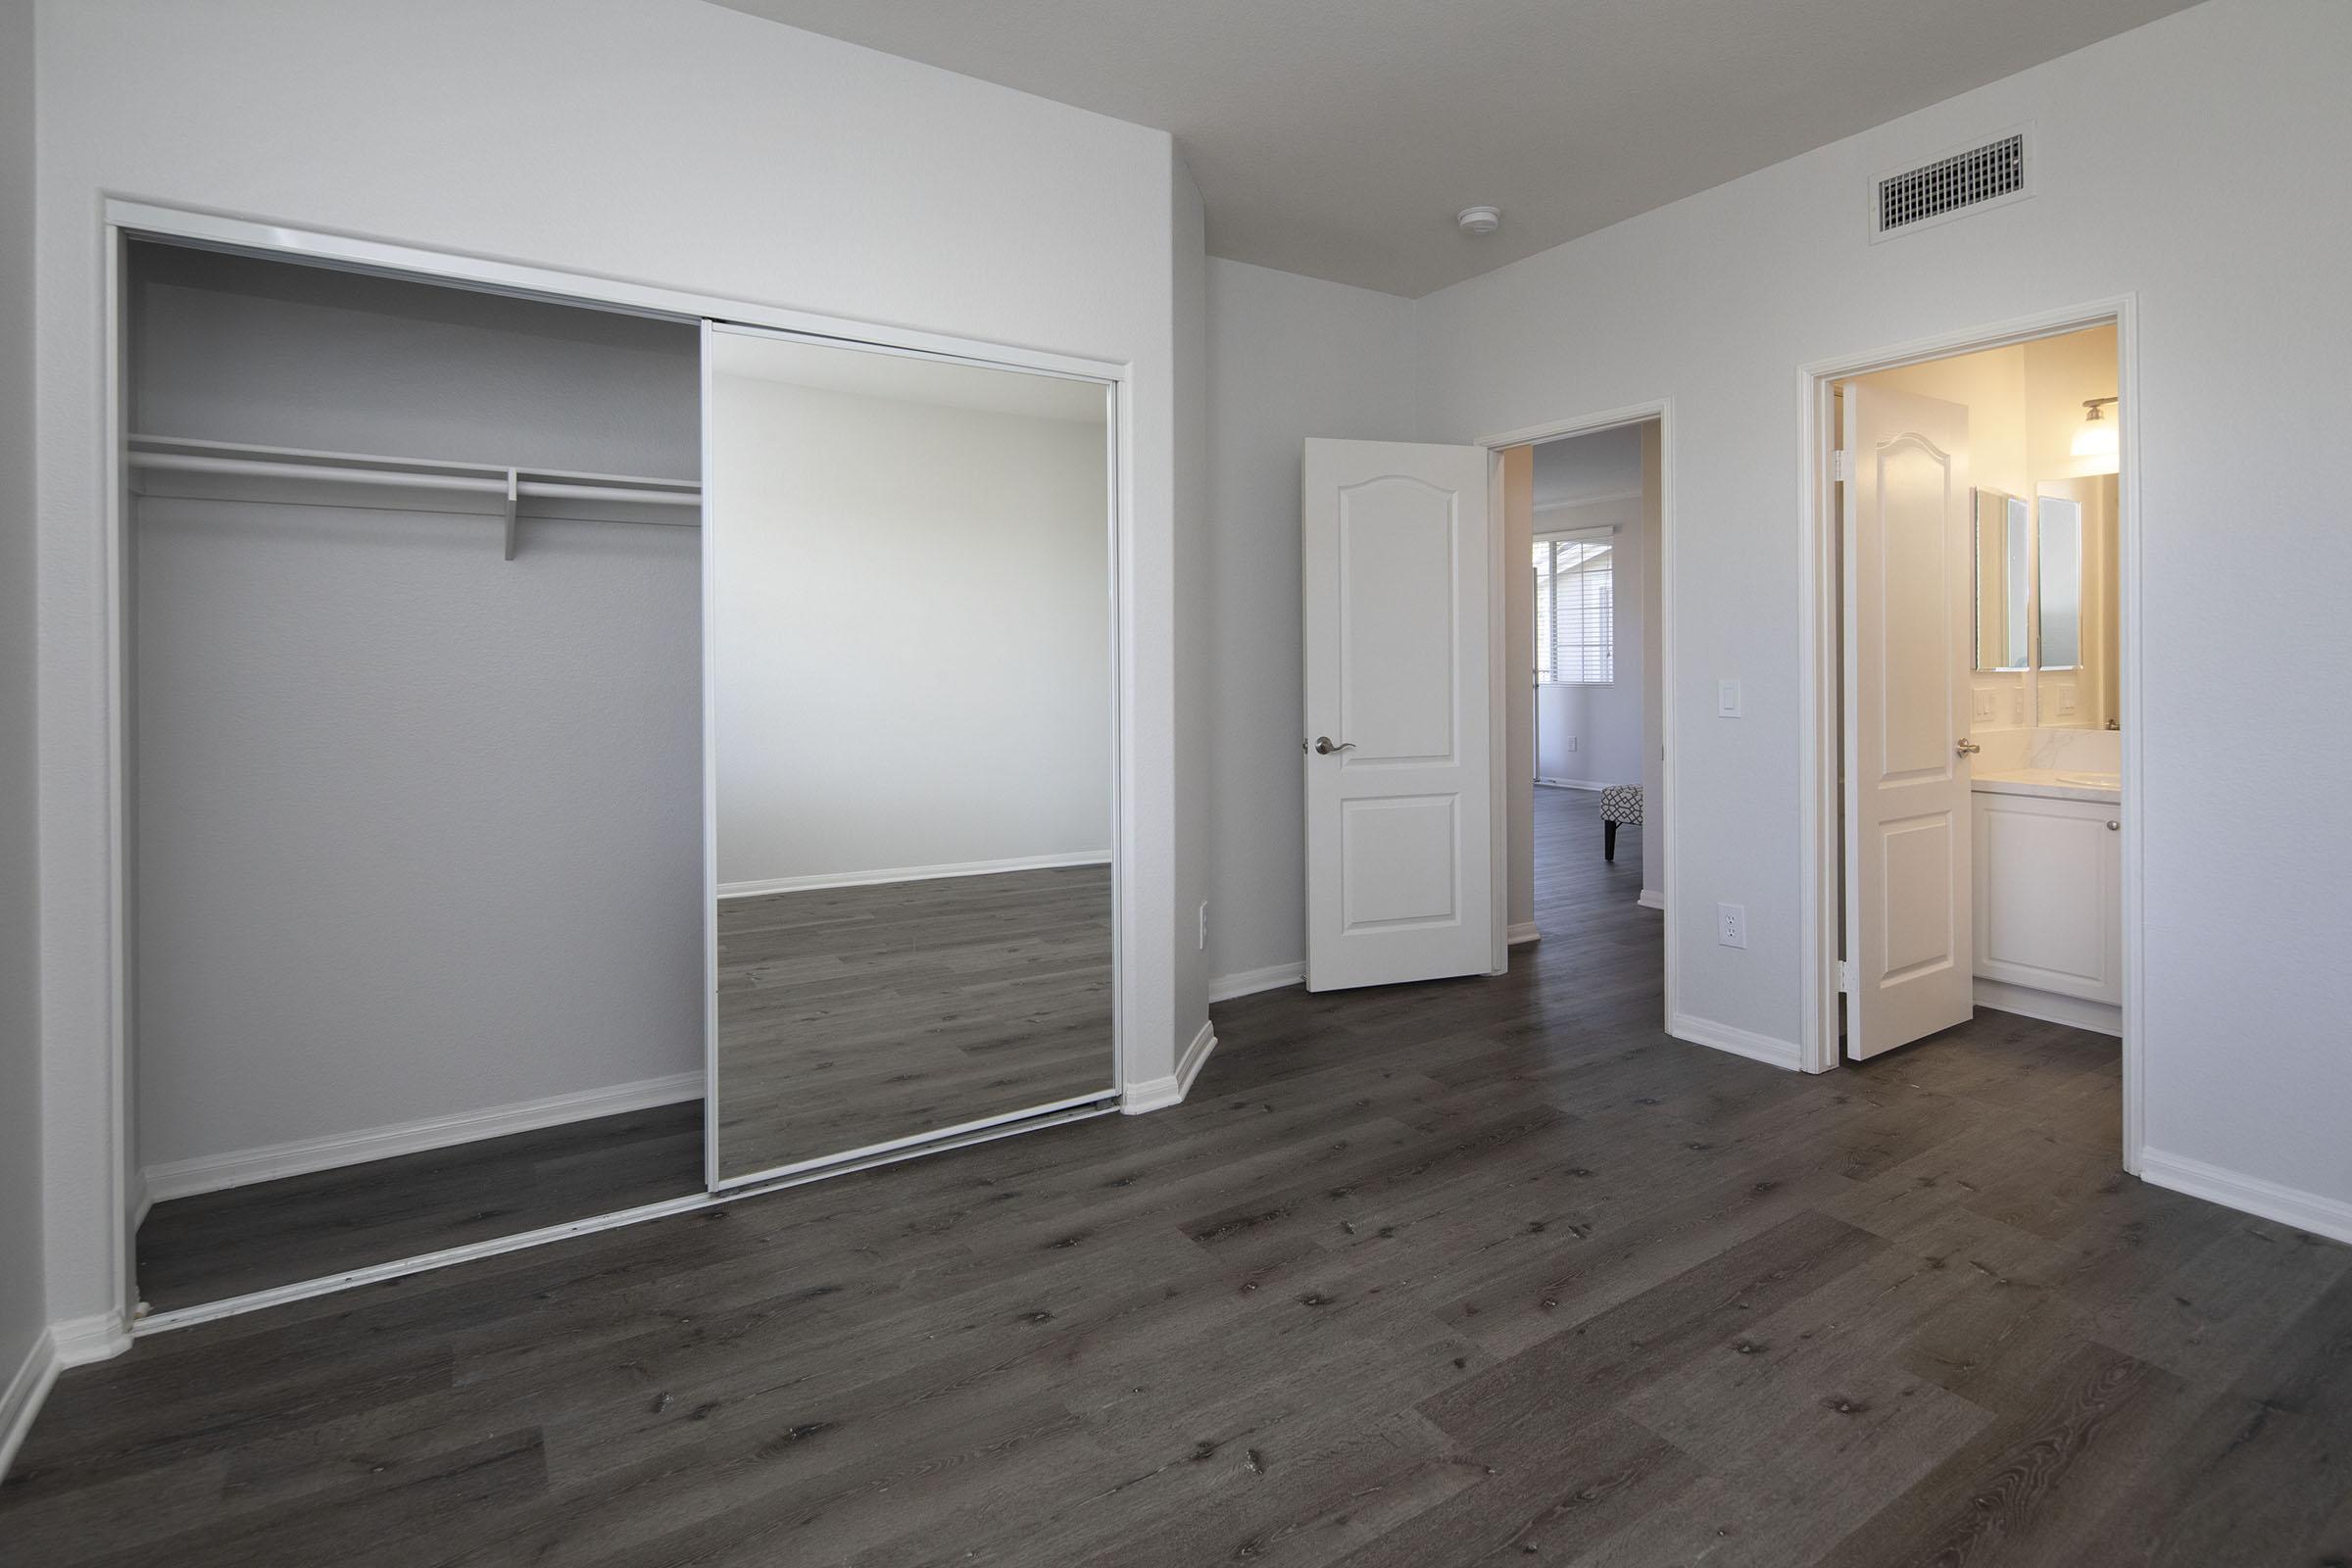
1397,615
1908,866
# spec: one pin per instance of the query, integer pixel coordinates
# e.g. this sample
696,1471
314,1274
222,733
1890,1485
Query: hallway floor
1483,1272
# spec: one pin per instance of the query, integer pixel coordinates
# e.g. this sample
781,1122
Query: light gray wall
912,622
416,830
1653,666
234,348
1195,565
23,1312
2240,373
1289,357
667,141
1605,721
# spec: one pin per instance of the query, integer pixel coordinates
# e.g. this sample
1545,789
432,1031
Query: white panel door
1399,811
1907,600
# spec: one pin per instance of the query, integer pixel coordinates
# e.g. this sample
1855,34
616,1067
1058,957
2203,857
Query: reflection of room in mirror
2004,545
2078,606
911,734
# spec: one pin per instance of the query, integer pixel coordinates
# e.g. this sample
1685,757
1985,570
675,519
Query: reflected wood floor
855,1016
1486,1272
214,1246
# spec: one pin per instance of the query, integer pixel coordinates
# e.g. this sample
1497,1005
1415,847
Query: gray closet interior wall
415,829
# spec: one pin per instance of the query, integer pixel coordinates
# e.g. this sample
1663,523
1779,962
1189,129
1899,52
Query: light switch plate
1727,698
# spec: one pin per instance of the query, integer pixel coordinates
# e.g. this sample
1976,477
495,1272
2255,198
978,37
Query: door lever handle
1966,747
1324,747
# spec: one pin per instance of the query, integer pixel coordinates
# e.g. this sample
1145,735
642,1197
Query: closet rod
546,489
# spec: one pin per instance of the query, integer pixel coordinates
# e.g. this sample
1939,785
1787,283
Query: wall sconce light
2095,442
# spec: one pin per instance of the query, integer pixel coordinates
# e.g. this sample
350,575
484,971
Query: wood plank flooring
218,1245
849,1017
1483,1272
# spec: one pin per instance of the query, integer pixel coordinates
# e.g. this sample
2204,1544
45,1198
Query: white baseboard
910,874
2079,1012
2331,1218
1520,935
1226,987
1739,1042
212,1173
1570,784
1158,1093
20,1400
1651,898
80,1341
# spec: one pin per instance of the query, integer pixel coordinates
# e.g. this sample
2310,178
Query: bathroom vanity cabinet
2049,893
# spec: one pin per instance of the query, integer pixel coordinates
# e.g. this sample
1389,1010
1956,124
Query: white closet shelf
177,465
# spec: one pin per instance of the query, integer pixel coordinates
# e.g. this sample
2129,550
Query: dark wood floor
1483,1272
849,1017
218,1245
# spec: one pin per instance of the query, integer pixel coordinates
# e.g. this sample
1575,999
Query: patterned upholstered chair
1619,803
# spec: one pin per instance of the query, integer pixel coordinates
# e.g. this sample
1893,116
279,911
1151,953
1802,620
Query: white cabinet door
2049,894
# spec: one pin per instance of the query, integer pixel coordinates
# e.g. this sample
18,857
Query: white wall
913,629
2174,161
1517,471
1194,566
23,1312
1289,357
1653,666
661,140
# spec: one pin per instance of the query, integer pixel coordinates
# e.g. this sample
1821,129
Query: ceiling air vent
1952,184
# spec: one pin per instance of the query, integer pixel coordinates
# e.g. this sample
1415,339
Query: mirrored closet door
909,662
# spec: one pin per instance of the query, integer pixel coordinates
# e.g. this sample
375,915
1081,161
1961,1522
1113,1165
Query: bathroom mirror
2077,604
909,657
2004,536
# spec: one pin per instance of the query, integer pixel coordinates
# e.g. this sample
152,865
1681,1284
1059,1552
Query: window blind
1576,621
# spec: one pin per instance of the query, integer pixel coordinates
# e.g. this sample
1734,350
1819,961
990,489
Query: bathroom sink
2094,781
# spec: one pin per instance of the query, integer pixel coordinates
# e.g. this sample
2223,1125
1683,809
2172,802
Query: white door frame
122,221
1819,735
1500,576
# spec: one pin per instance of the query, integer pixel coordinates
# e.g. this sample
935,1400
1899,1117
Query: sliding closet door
908,731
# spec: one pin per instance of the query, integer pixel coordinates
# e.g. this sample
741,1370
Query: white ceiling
1339,137
1602,466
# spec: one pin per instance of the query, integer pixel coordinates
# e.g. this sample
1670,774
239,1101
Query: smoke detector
1480,220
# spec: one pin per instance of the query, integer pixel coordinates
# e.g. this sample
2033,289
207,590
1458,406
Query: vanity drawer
2048,894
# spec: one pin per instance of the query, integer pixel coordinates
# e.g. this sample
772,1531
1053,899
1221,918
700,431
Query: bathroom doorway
1972,689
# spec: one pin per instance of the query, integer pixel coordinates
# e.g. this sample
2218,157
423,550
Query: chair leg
1609,841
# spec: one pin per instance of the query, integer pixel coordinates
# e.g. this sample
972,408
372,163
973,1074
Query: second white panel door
1395,540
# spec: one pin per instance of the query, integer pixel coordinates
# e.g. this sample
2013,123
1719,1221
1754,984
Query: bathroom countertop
2042,781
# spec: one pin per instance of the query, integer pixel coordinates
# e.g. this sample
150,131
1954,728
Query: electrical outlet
1731,925
1572,743
1204,926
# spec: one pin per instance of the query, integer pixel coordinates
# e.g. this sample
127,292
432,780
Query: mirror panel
2059,608
2004,582
2078,604
909,650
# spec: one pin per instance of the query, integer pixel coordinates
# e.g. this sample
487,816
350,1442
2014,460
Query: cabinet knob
2114,826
